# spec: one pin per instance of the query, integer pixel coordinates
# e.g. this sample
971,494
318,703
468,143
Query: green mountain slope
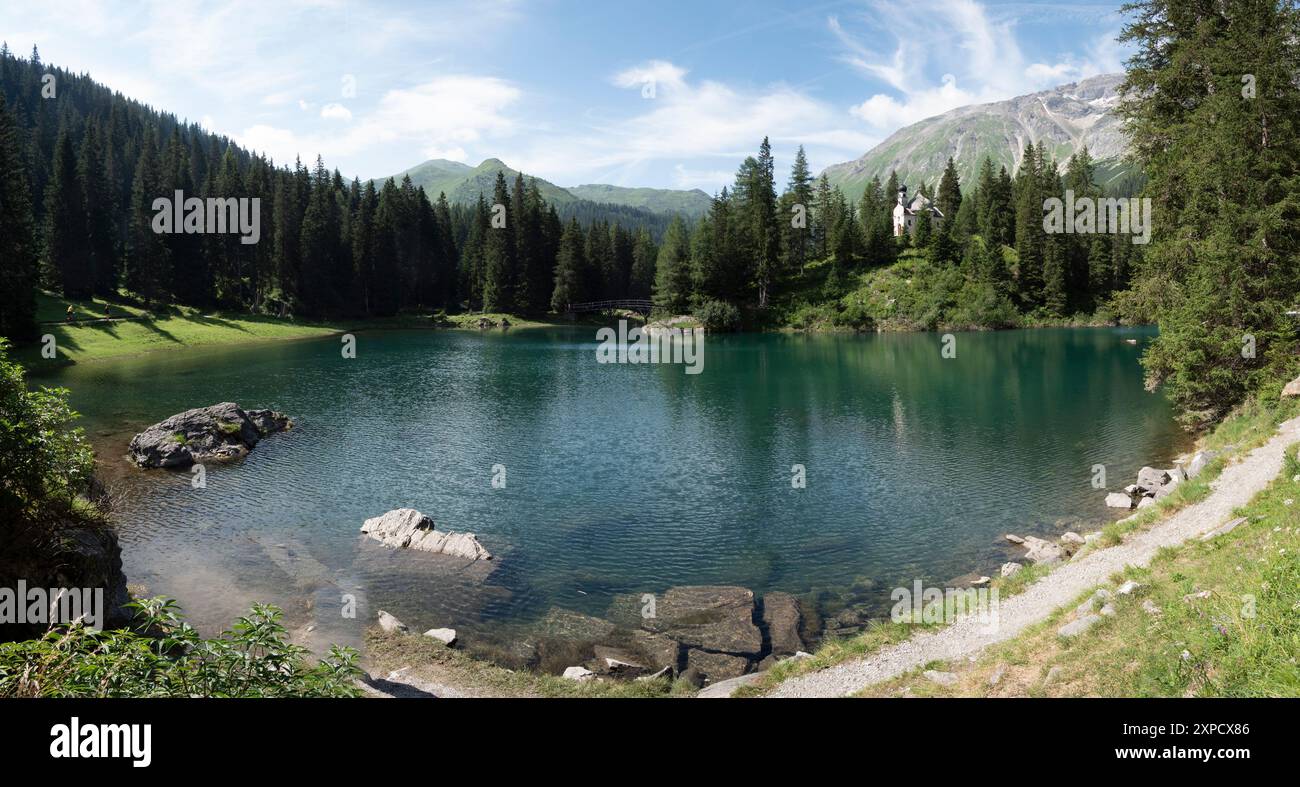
689,203
1067,118
462,184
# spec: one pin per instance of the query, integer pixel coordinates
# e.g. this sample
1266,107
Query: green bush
44,462
253,659
718,316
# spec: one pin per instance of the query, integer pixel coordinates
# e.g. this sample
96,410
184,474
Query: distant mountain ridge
463,184
1067,118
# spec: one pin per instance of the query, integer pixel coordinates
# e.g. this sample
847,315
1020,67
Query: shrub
44,463
253,659
718,316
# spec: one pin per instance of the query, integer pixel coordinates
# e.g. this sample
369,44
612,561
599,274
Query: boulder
1292,389
716,666
219,433
615,661
657,650
1014,539
1072,540
445,636
406,528
1198,462
1146,501
1011,569
711,617
1042,551
1150,479
723,688
579,674
1077,627
1129,588
782,617
1119,500
391,624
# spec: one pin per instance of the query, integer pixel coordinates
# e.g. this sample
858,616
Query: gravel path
969,636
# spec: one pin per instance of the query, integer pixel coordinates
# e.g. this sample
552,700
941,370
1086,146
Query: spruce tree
18,257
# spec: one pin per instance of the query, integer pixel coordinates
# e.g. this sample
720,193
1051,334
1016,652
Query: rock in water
218,433
782,617
406,528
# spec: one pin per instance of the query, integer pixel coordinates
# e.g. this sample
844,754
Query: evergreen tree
1224,177
499,256
673,270
66,257
18,258
570,267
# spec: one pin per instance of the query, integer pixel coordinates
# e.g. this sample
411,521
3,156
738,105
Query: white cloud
336,112
691,127
437,117
980,59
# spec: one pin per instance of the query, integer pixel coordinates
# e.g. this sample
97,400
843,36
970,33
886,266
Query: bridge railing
631,304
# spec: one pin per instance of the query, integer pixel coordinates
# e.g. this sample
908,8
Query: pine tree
673,270
570,267
18,258
66,257
499,257
1224,169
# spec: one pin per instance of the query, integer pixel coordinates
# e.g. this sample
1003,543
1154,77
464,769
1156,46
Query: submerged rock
782,616
711,617
406,528
221,432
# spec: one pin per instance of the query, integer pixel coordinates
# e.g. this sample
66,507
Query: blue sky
666,94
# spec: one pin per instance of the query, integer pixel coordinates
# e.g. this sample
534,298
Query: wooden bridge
630,304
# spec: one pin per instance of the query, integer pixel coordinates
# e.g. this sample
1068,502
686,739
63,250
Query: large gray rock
1119,500
1151,479
218,433
1042,551
1198,462
1292,389
716,666
1077,627
711,617
391,624
723,688
406,528
782,617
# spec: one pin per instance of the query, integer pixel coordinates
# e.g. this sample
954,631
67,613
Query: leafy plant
165,657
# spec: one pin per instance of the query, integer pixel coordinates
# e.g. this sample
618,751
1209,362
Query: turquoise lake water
618,478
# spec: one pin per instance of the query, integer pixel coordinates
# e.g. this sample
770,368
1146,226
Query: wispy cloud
951,53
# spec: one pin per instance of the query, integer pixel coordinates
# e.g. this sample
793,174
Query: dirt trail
968,636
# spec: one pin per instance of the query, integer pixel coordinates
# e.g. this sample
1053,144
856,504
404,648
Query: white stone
1129,588
1010,569
578,673
406,528
391,624
1119,500
445,636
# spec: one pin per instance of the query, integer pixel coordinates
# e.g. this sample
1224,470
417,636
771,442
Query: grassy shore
104,330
